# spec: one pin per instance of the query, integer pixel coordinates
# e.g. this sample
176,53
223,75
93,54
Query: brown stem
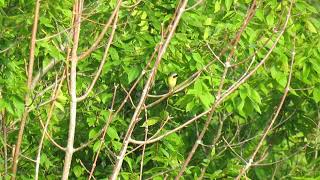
105,128
5,149
105,55
54,97
144,147
227,65
225,94
123,101
146,89
249,164
103,32
73,77
27,96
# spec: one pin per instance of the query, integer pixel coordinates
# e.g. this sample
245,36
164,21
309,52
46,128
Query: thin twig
146,89
105,55
27,96
105,129
249,164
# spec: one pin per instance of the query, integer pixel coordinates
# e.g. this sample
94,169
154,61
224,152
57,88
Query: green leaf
144,15
92,133
315,64
260,15
243,93
228,4
78,170
59,106
270,19
213,152
256,107
240,108
1,3
206,33
133,73
217,6
208,22
316,94
91,121
205,100
151,121
114,54
129,161
116,145
46,22
197,57
255,96
105,96
96,146
311,27
112,133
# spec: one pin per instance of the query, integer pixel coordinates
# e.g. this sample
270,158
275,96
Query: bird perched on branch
172,81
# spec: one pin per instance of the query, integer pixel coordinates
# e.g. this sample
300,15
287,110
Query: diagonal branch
249,16
286,90
103,32
27,96
146,89
105,55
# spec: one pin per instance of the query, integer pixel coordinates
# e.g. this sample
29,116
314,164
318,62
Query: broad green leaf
217,6
206,33
311,27
228,4
197,57
151,121
240,108
112,133
270,19
144,15
316,94
116,145
114,54
59,106
96,146
208,22
129,161
78,171
91,122
92,133
133,74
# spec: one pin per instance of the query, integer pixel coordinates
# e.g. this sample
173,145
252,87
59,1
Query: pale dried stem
103,32
105,129
267,130
27,96
54,97
143,147
223,96
4,133
146,89
78,5
105,55
123,101
250,14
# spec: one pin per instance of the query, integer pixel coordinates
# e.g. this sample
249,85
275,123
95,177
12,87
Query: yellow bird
172,81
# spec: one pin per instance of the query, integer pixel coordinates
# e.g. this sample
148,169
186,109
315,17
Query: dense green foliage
290,150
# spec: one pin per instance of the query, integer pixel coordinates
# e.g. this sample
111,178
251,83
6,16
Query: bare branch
103,32
105,55
146,89
249,164
27,96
